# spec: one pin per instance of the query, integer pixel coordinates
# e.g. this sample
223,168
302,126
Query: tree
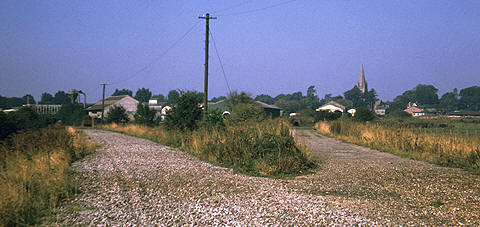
71,114
28,99
46,98
470,98
173,96
123,92
143,95
449,100
265,98
160,98
235,98
311,91
363,114
426,94
117,114
61,98
186,113
145,115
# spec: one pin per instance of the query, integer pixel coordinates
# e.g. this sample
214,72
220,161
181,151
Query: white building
332,106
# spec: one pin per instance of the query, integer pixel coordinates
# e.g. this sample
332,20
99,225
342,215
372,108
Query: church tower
362,83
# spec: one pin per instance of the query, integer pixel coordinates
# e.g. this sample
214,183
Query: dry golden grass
35,172
445,149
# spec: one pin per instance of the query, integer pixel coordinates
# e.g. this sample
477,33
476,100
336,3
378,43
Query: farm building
332,106
129,103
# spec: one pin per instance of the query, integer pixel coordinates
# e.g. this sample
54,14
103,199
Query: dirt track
132,181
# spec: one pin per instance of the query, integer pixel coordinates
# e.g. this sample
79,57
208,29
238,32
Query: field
442,141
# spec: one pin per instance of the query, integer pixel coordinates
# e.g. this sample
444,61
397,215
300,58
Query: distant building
127,102
46,109
413,110
332,106
378,108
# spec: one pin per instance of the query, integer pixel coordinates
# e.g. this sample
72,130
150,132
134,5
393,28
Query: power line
220,60
135,74
258,9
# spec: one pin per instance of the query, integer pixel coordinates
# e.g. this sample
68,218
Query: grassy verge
442,148
35,172
260,149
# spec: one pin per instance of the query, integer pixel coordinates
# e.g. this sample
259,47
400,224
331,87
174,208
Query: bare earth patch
132,181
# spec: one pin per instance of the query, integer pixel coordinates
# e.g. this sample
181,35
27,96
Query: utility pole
207,33
103,100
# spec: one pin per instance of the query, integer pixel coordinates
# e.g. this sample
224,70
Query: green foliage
117,114
449,100
213,118
71,114
325,115
46,98
265,98
185,114
399,114
304,117
470,98
61,98
23,119
360,99
160,98
246,112
145,115
143,95
235,98
363,114
123,92
216,99
173,96
6,102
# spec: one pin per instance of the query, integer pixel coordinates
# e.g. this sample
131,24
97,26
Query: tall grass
261,149
35,172
443,147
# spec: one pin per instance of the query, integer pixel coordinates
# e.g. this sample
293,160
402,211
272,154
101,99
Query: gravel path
132,181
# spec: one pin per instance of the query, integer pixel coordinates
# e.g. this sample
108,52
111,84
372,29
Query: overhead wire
136,73
232,7
221,64
258,9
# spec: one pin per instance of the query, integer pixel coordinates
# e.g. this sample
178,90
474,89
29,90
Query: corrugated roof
108,101
268,106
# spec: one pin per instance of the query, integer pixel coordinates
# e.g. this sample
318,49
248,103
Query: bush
71,114
213,118
117,114
23,119
145,115
244,112
186,113
399,114
325,115
363,114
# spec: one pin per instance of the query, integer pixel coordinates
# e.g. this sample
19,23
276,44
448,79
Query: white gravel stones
131,181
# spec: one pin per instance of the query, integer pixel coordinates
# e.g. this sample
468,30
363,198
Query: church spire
362,83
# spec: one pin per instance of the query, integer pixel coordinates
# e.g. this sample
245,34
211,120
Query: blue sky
46,46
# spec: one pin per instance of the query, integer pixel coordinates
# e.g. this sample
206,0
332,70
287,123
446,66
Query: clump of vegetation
24,119
145,115
35,172
71,114
185,114
246,112
433,140
117,114
363,114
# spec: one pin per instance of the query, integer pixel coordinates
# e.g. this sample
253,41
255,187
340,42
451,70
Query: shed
127,102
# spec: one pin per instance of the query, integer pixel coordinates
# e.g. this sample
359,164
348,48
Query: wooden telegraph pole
103,100
207,32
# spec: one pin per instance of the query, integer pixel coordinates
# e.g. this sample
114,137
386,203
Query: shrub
186,113
213,118
145,115
71,114
325,115
245,112
117,114
399,114
363,114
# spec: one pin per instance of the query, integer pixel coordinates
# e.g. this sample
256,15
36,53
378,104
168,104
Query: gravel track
132,181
